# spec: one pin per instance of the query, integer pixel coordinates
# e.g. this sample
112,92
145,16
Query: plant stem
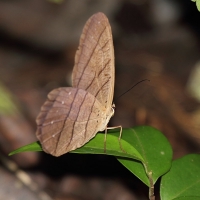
151,187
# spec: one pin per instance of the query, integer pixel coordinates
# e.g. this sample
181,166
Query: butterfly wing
94,61
69,118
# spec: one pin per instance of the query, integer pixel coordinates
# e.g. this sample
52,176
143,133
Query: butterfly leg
120,136
105,137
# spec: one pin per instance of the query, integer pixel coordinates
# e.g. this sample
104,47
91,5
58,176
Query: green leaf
188,198
35,146
96,146
146,150
182,182
155,149
7,105
197,4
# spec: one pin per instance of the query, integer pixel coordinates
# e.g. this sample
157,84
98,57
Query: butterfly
71,116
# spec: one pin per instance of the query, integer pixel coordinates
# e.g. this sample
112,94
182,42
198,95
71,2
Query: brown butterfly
71,116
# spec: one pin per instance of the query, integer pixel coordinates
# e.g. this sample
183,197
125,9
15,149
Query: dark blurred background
153,39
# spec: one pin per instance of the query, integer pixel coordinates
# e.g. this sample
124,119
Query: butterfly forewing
94,61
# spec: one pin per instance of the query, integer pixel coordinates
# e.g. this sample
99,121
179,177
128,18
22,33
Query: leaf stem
151,187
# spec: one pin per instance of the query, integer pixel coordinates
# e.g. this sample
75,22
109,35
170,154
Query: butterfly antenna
132,87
